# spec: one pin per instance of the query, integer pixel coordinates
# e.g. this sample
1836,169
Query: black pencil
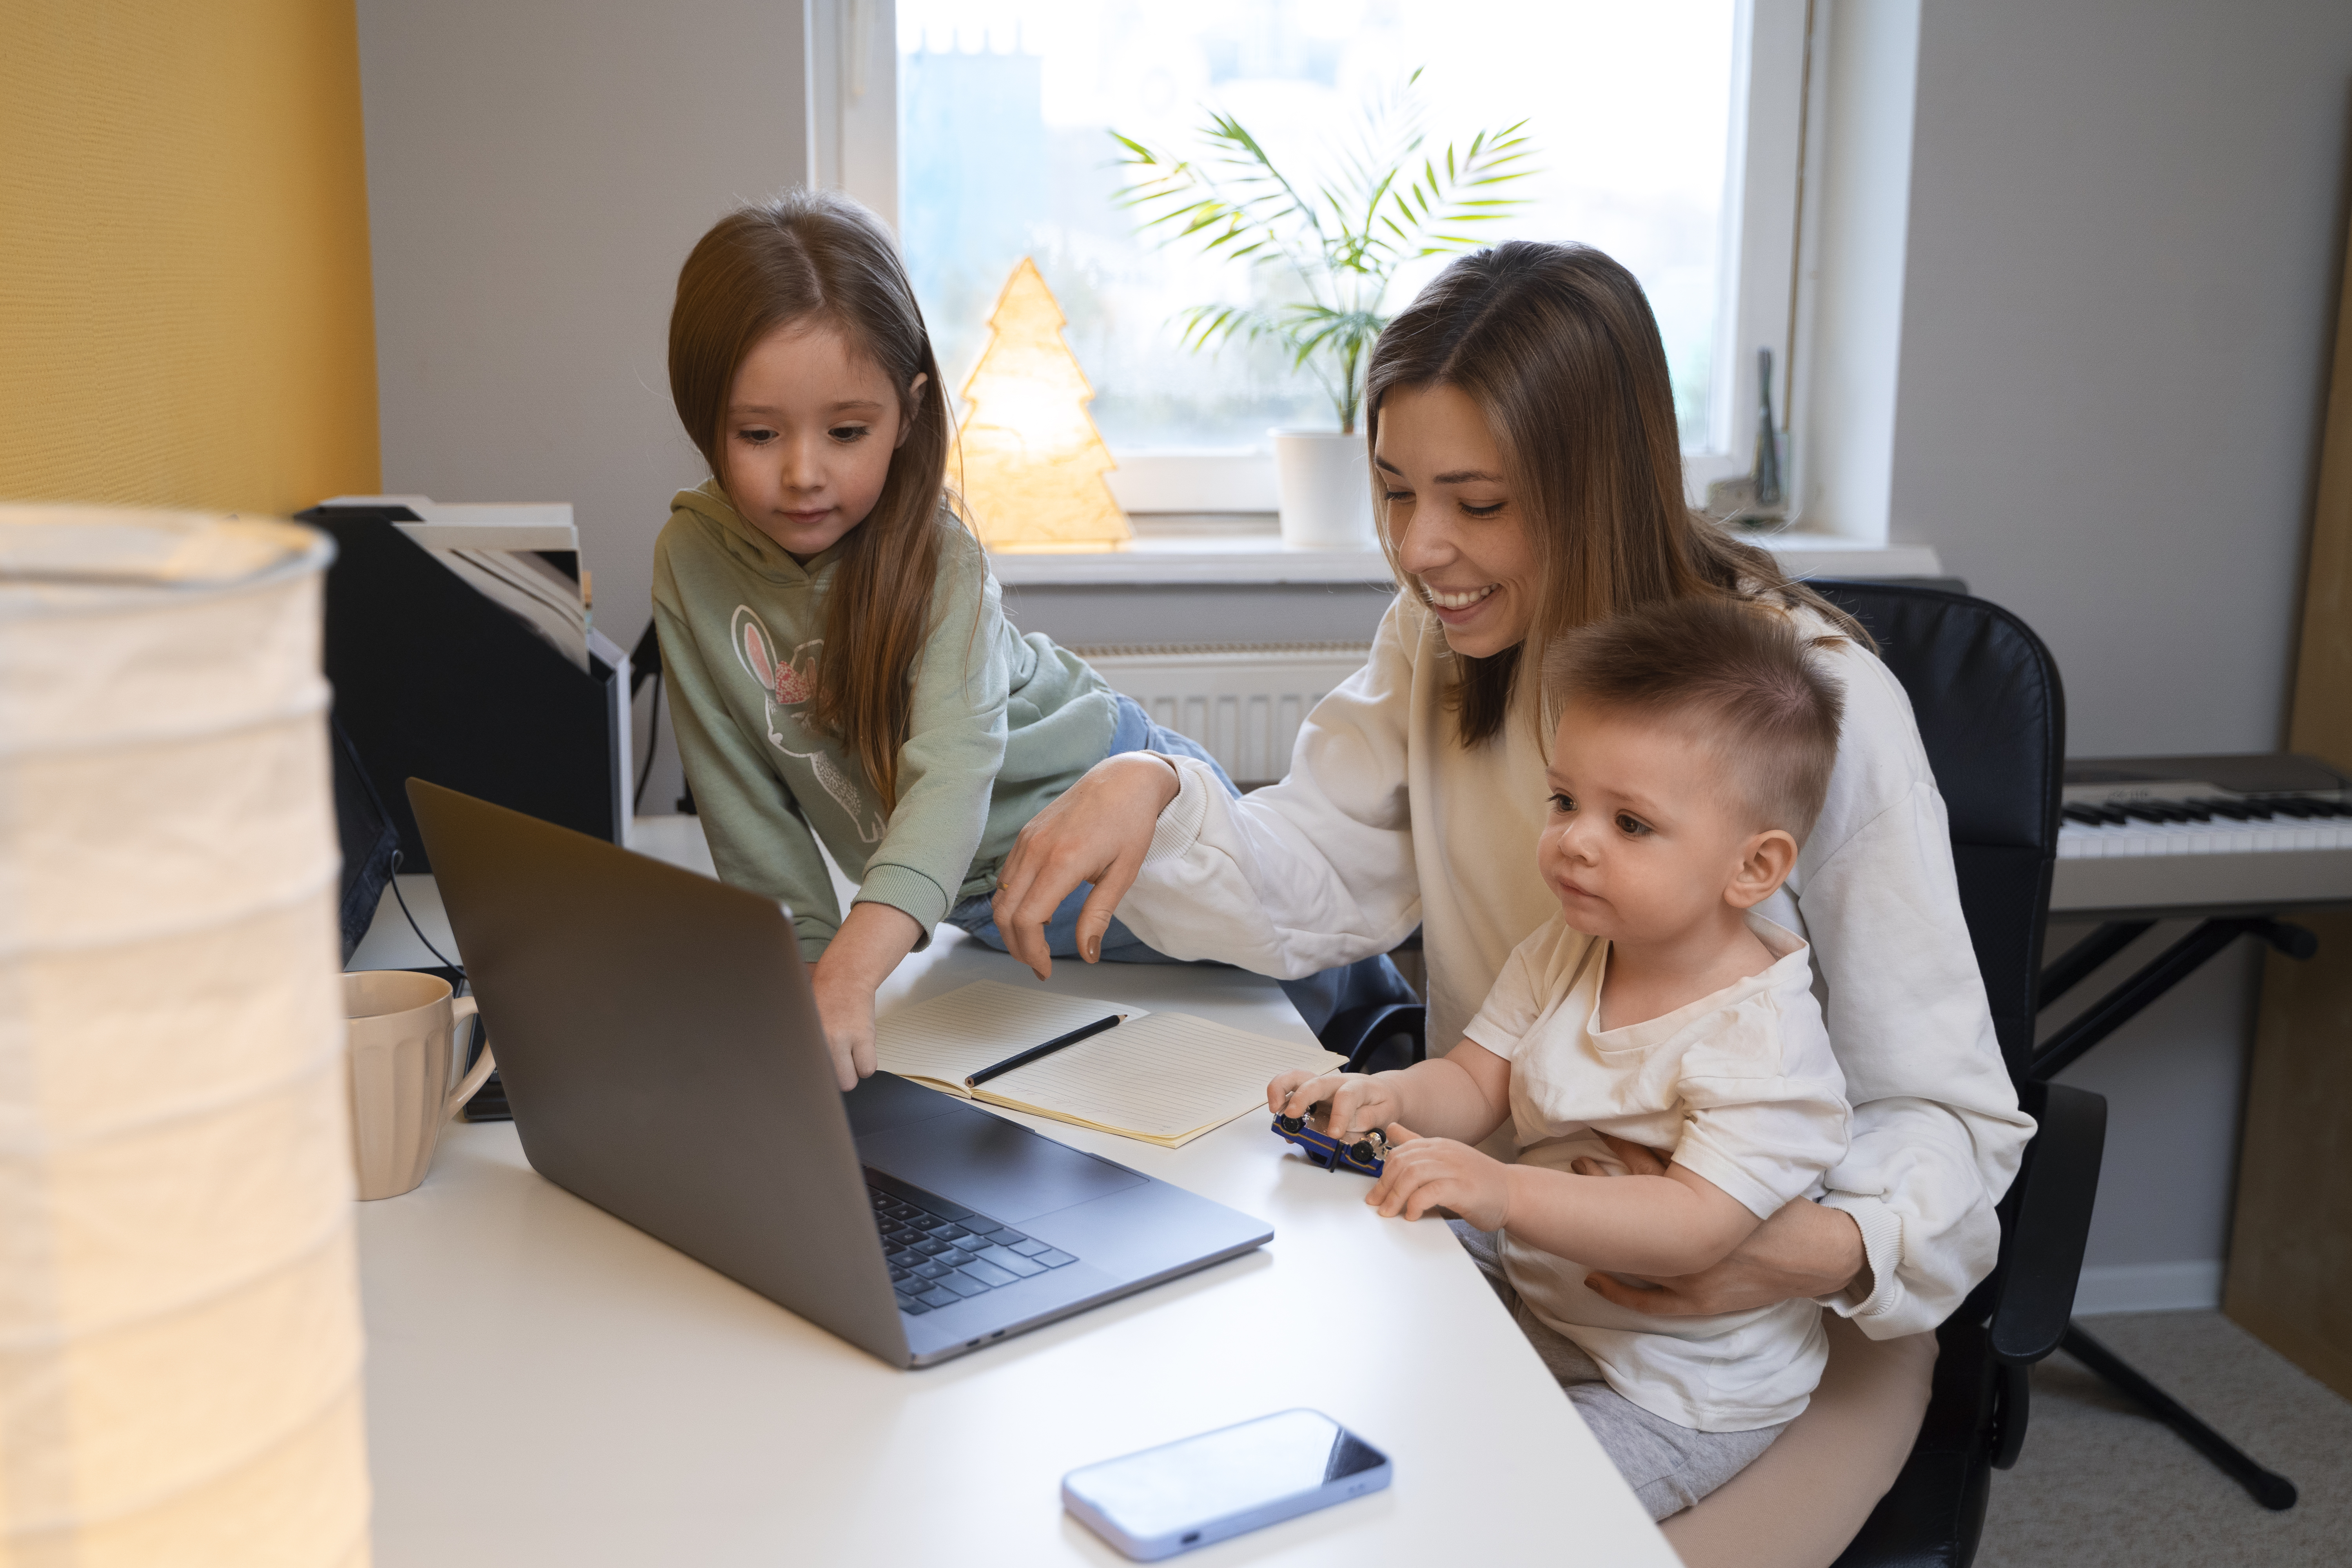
1047,1049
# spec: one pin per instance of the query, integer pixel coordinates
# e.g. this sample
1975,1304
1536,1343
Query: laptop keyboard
941,1253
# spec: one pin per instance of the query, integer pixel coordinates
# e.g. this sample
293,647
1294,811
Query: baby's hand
1357,1101
1423,1173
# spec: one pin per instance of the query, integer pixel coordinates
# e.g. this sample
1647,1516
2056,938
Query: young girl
1524,445
841,666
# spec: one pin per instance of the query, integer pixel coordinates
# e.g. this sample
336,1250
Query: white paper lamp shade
179,1317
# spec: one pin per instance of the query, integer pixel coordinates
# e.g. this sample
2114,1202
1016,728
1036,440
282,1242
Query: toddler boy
1693,751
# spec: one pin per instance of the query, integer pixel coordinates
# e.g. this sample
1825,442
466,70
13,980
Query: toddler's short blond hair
1736,676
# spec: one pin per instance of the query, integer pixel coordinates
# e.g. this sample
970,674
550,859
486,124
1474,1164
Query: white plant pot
1327,490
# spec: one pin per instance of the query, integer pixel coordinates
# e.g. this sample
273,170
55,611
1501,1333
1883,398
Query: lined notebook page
1167,1078
1164,1078
949,1037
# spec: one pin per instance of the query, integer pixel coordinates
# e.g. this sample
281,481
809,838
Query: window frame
851,47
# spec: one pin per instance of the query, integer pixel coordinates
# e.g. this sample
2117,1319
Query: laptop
662,1056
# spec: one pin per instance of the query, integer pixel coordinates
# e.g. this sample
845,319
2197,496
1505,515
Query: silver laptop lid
660,1048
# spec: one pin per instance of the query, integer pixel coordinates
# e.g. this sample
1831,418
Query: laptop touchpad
986,1162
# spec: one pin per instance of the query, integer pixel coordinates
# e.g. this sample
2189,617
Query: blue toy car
1365,1152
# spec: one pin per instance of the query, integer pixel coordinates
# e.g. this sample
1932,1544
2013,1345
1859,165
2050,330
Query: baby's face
1640,844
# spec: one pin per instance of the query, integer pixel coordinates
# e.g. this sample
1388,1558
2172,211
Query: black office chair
1993,718
1380,1037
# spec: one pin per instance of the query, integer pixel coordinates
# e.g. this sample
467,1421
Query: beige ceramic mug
404,1031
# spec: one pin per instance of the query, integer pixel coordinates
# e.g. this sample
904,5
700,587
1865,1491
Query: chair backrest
1992,715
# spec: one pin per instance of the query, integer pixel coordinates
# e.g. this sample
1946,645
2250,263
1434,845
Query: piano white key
2139,839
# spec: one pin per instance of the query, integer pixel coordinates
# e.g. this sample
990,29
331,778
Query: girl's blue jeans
1319,997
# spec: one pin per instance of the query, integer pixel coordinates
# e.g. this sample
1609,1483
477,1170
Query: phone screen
1225,1473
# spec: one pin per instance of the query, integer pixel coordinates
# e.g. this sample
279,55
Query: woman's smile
1457,606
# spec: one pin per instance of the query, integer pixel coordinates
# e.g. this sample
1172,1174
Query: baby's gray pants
1668,1466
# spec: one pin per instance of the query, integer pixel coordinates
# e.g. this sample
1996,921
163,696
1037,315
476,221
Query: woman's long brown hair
817,256
1556,345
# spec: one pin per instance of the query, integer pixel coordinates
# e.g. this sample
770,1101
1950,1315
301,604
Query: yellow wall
185,315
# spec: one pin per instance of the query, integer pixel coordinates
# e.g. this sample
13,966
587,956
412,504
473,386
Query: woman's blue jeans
1319,997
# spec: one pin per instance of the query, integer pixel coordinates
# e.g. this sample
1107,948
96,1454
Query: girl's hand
847,1010
1804,1252
1355,1101
1097,831
860,956
1423,1173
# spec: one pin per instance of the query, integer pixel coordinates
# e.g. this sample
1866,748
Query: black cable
412,920
653,744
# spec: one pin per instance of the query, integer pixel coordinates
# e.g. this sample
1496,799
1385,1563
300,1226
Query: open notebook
1164,1078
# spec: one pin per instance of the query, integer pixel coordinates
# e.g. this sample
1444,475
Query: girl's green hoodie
1001,724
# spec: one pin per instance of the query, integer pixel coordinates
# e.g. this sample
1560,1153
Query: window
1665,134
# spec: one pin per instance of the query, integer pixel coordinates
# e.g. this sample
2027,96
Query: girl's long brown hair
1556,345
817,256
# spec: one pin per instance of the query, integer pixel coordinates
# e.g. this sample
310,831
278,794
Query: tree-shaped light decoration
1030,462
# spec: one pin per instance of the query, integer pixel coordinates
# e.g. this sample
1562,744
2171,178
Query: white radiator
1243,703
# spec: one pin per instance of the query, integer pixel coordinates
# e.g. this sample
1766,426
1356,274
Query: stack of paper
525,559
1163,1077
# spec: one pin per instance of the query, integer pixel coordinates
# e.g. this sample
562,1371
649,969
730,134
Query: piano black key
2084,815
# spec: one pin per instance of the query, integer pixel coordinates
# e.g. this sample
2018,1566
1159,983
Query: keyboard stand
2103,1019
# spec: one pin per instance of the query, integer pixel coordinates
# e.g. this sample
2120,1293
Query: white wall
537,172
2127,232
2126,229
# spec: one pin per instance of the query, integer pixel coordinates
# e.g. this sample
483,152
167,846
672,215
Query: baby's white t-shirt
1742,1086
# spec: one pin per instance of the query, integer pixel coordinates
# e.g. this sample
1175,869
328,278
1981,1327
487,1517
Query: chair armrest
2042,1255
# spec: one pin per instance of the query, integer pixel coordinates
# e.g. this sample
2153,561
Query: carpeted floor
2102,1486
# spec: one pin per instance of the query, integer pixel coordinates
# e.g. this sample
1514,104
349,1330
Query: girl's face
1456,526
810,424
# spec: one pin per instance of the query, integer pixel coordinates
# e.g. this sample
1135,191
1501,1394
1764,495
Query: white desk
548,1385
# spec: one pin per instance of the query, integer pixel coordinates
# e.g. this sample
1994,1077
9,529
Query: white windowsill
1233,548
1802,554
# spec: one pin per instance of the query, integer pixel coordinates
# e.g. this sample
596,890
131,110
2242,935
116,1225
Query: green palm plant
1342,243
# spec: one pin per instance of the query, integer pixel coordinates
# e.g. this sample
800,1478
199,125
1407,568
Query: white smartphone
1199,1490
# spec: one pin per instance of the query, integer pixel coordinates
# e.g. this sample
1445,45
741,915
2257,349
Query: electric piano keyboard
2197,834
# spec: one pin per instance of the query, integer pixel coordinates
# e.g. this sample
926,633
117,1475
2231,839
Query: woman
1524,446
